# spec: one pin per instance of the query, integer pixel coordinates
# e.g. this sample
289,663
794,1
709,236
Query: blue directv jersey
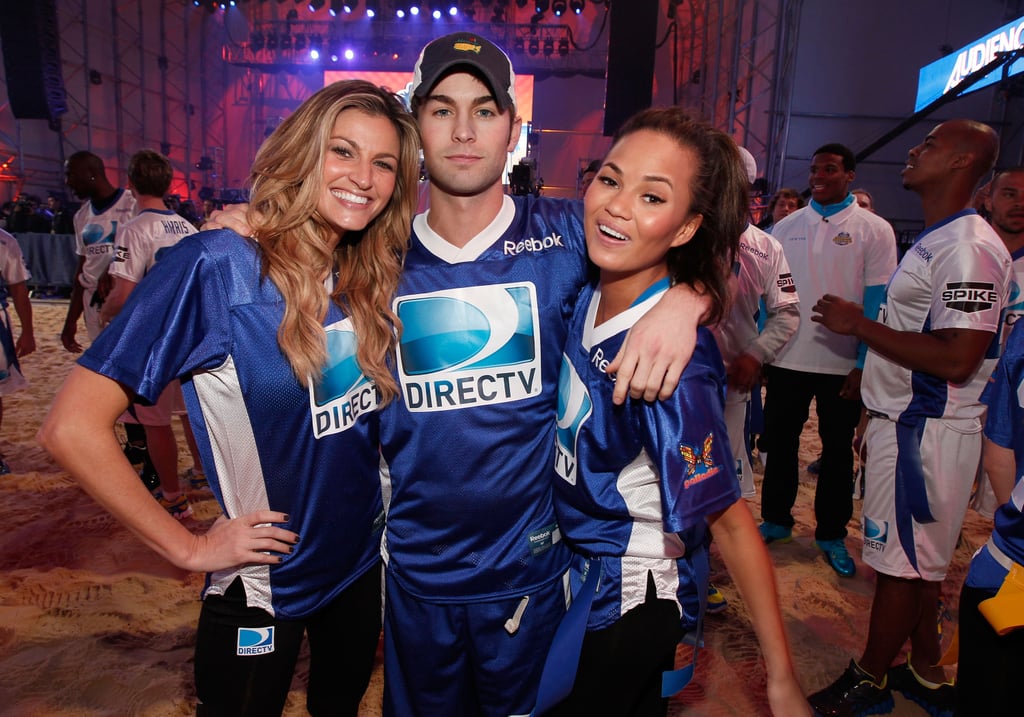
204,314
468,448
635,482
1004,425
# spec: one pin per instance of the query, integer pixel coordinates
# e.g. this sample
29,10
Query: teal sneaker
775,533
837,556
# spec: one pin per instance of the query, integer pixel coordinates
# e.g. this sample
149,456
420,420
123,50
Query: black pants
343,639
620,666
790,394
989,670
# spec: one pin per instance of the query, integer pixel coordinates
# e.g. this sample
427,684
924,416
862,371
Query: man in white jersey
761,274
833,246
922,383
105,209
139,243
1005,205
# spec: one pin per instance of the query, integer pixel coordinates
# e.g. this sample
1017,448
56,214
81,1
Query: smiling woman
268,335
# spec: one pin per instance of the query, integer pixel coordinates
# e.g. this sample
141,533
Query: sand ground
92,623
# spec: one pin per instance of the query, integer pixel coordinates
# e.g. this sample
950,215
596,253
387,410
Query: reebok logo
343,393
469,347
513,248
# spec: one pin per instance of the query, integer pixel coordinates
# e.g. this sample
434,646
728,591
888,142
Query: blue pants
459,658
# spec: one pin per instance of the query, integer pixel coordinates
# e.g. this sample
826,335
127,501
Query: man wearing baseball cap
476,565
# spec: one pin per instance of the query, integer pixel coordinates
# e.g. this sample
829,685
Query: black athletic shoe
854,694
937,701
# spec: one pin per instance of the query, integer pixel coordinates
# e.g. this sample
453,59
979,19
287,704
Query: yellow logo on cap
468,46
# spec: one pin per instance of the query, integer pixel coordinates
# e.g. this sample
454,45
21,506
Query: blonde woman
262,332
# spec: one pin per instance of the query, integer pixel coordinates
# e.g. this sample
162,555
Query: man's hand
26,344
233,217
104,285
659,346
743,373
838,315
851,386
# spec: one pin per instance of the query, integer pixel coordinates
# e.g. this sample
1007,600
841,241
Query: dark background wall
169,78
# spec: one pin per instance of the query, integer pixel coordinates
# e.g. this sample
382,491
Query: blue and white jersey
468,448
95,230
1004,425
634,483
955,276
1014,308
267,442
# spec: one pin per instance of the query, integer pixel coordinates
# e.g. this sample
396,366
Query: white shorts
895,542
736,424
91,315
983,500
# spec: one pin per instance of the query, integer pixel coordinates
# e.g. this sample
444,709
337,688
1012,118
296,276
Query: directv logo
255,640
93,234
468,347
876,534
343,393
574,408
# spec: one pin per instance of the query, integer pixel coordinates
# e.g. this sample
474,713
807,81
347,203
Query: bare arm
26,343
949,354
1001,468
78,432
115,299
747,559
75,308
659,346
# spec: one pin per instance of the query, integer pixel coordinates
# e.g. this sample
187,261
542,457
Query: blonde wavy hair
292,238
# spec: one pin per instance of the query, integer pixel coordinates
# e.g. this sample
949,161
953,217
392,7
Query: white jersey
762,272
1014,308
95,230
840,255
12,262
139,242
956,276
12,271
